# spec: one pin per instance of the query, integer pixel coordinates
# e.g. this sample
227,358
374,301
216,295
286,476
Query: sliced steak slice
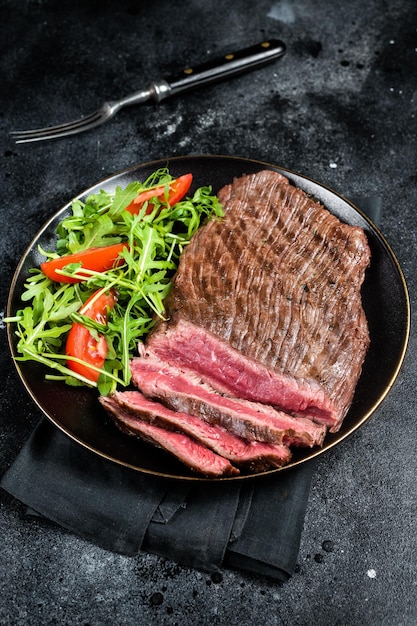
190,452
252,421
273,289
192,348
254,456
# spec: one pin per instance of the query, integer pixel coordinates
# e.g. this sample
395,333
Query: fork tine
77,126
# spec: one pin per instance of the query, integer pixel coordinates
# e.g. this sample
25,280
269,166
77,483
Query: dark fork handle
227,66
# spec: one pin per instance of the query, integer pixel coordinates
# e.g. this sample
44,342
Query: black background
339,108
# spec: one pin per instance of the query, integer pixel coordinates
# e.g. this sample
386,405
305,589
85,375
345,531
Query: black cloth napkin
253,525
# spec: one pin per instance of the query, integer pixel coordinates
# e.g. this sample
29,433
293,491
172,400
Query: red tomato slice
177,190
81,343
97,259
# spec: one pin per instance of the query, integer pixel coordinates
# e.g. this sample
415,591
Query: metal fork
229,65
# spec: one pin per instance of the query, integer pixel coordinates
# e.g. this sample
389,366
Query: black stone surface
340,107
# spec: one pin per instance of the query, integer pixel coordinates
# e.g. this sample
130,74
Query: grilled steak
253,421
254,456
266,303
196,456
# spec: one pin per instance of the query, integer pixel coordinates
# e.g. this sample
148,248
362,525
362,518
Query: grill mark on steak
277,282
194,455
254,456
184,392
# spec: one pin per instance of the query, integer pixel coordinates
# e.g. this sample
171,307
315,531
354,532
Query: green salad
103,288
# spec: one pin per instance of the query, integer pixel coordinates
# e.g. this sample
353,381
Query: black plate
77,411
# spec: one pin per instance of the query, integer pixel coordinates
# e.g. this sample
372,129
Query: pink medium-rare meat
197,351
254,456
267,301
194,455
184,392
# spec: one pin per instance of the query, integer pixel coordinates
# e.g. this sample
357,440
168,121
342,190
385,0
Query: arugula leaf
123,197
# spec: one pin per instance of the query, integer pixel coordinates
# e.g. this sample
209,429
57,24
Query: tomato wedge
177,190
97,259
81,343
